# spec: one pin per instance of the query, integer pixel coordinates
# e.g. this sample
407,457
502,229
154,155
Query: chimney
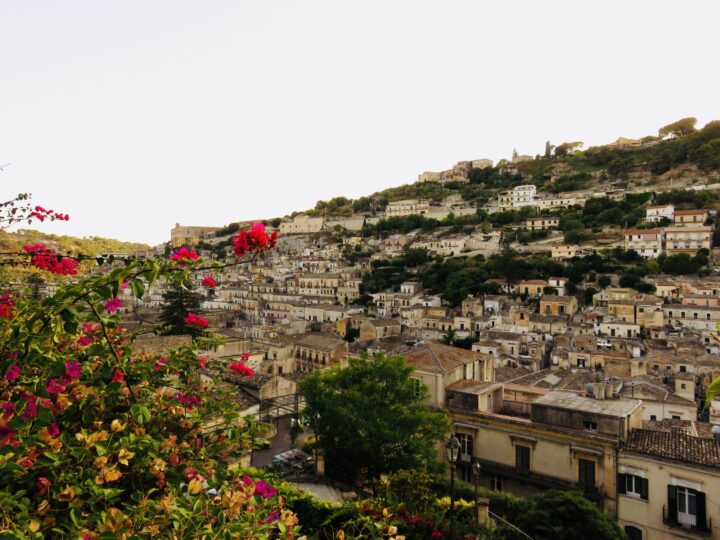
716,432
599,390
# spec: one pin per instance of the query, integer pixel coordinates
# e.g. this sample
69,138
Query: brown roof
676,446
689,212
642,231
319,341
431,356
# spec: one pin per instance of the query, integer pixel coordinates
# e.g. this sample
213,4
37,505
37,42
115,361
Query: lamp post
316,417
476,468
452,452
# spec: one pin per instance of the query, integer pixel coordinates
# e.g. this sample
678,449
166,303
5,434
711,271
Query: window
630,484
466,445
683,369
682,385
676,417
417,387
495,483
633,533
653,417
588,424
586,474
686,506
581,362
522,459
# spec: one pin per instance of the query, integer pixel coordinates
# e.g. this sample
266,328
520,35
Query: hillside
679,155
13,242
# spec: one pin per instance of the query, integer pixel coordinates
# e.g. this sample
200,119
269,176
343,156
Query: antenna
2,167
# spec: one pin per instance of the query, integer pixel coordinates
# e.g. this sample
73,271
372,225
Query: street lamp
316,417
476,468
452,452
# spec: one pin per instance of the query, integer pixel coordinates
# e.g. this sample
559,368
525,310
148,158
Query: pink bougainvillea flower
160,363
202,362
43,484
73,370
112,305
184,255
12,373
48,259
31,409
118,376
245,356
242,369
55,386
53,430
6,306
209,282
254,240
196,320
8,410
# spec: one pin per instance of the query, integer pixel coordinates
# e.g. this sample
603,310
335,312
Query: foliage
372,420
178,302
97,441
680,128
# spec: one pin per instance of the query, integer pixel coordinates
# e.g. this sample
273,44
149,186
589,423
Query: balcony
687,523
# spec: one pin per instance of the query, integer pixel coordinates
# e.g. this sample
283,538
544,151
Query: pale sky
132,115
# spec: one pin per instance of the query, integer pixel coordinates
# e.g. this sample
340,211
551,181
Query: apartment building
647,242
517,197
657,213
684,218
687,238
542,223
407,207
669,483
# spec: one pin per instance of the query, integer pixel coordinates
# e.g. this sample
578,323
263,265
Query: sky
134,115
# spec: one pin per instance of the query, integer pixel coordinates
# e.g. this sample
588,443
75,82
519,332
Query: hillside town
549,382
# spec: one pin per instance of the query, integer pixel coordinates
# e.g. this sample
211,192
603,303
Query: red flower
242,369
245,356
202,362
161,363
196,320
6,305
256,239
53,430
118,376
12,373
43,484
209,282
112,305
184,255
48,259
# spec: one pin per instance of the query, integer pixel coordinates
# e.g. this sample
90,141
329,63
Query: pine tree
178,301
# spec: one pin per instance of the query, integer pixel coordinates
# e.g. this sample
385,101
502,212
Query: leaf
712,391
138,287
141,413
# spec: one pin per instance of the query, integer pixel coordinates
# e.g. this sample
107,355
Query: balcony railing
681,522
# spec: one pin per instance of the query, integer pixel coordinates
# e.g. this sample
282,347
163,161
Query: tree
553,515
707,156
178,302
566,148
276,222
373,418
680,128
604,281
662,163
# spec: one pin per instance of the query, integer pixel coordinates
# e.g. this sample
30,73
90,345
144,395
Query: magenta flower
112,305
73,370
12,373
53,430
54,386
118,376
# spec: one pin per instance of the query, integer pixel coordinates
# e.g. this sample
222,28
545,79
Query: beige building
407,207
569,442
303,224
439,366
542,223
656,213
558,305
317,351
693,218
189,235
669,483
517,197
688,238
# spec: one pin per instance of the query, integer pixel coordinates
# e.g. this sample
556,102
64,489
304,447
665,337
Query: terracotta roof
689,212
319,341
676,446
431,356
642,231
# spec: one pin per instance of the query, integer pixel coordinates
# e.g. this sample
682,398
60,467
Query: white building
407,207
517,197
657,213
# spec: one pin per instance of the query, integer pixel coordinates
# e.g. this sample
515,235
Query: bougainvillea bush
97,441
